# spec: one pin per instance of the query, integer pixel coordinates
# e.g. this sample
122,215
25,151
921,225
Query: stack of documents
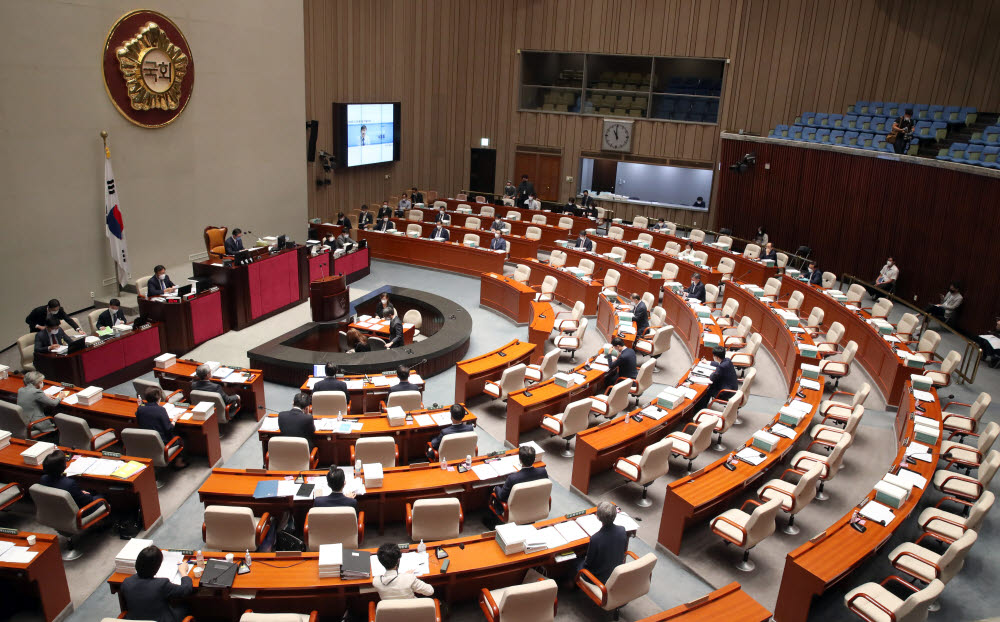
570,531
165,360
372,474
750,456
53,391
4,438
37,452
202,411
331,557
270,424
125,560
90,395
356,565
127,469
12,554
877,512
511,537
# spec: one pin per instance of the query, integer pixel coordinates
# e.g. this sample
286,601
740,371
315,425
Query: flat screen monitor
319,371
365,134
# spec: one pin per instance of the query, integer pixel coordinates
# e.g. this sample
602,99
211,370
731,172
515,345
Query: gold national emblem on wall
148,68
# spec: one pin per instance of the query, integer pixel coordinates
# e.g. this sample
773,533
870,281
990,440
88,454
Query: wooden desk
608,322
382,329
254,292
335,449
137,492
579,222
570,288
38,585
817,565
550,234
708,274
187,322
369,396
180,375
874,352
711,489
542,320
292,582
326,229
471,374
525,412
631,280
107,363
728,603
518,246
201,438
688,326
598,448
449,256
386,504
504,294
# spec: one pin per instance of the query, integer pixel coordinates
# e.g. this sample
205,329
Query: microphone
744,274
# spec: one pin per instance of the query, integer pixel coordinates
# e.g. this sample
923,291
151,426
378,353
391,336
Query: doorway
543,171
482,170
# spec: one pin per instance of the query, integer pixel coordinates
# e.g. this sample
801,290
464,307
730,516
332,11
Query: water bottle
200,558
357,468
468,461
247,559
444,465
421,547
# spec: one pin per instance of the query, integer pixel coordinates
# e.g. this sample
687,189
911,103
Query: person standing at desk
36,319
112,316
151,416
440,233
344,221
607,547
640,314
203,382
404,384
404,202
234,243
160,283
395,328
442,217
457,412
148,597
334,380
583,243
391,585
624,364
769,253
365,219
357,341
385,225
527,473
509,191
298,422
524,190
696,290
336,479
35,404
498,243
53,469
52,337
385,211
812,275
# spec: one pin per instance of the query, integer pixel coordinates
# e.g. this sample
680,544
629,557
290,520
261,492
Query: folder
266,489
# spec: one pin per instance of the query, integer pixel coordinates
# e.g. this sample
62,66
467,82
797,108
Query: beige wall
234,157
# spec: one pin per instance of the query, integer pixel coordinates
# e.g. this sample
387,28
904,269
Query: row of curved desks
507,296
570,288
728,603
579,222
518,246
609,322
250,388
451,256
631,279
708,274
471,374
551,235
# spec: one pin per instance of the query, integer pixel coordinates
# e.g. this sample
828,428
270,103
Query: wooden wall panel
854,211
454,65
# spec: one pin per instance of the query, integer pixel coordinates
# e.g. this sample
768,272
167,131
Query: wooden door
543,171
605,176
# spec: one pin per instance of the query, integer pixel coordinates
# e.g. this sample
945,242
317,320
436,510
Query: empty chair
487,210
657,343
752,251
794,497
148,444
613,401
700,258
640,221
881,308
611,278
619,251
829,463
12,420
672,248
873,602
544,370
726,267
539,219
645,262
648,299
628,581
287,453
571,343
587,266
721,413
854,294
26,348
616,233
839,365
794,302
407,400
512,379
565,222
440,204
535,601
140,385
569,422
480,198
689,445
746,357
948,527
670,229
644,238
55,508
330,403
711,295
548,288
738,340
830,434
725,242
643,379
533,233
965,486
376,343
557,259
569,321
830,344
372,449
829,280
929,340
234,528
528,502
513,215
908,323
522,273
928,565
747,530
782,260
75,433
472,223
646,468
725,315
405,610
470,239
838,411
336,525
969,457
697,235
670,271
941,377
434,519
772,288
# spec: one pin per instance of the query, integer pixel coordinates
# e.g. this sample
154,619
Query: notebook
218,573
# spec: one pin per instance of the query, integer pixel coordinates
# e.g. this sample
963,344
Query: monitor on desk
76,345
319,371
281,241
242,257
184,290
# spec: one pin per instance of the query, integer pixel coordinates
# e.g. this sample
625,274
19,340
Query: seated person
146,597
52,337
385,211
590,211
395,328
35,404
498,243
442,217
234,242
945,310
699,202
160,283
623,365
688,253
586,200
887,276
533,202
298,421
343,240
768,252
812,274
498,225
696,290
53,469
382,304
583,242
640,314
335,479
203,382
607,547
986,342
404,201
416,196
357,341
391,585
403,374
151,416
570,208
112,316
457,414
344,221
724,377
334,380
440,233
527,473
365,219
384,224
400,211
36,319
660,224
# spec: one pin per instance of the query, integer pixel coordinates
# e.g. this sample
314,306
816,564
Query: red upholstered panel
142,345
105,359
274,283
348,264
319,267
206,316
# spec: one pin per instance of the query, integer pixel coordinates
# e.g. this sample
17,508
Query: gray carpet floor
705,563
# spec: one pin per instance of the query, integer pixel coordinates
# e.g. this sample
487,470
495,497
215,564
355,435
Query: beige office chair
10,493
472,223
793,497
372,449
782,260
461,207
434,519
512,379
234,528
197,397
148,444
407,400
535,601
772,288
470,239
337,525
330,403
568,423
724,316
697,235
941,377
872,601
414,215
927,565
544,370
657,343
457,446
794,302
611,278
565,222
724,242
55,508
640,221
613,401
571,343
839,365
669,228
747,530
648,299
587,266
929,340
288,453
691,441
405,610
855,293
672,248
966,456
670,271
533,233
711,295
965,486
12,420
726,267
141,283
414,231
644,238
643,379
414,317
616,233
721,413
140,385
829,280
751,251
513,215
528,502
947,526
522,273
439,204
539,219
250,616
829,463
645,262
748,355
830,434
701,257
657,317
487,210
838,411
619,252
881,308
738,339
75,433
569,321
830,343
814,323
646,468
548,288
557,258
92,318
627,582
26,348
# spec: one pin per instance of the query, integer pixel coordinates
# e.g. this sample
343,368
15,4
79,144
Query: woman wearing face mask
35,404
160,283
383,304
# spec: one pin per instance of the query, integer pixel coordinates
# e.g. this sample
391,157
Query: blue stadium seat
822,119
851,139
936,112
781,131
989,136
973,153
879,144
885,124
874,109
903,107
864,123
808,118
809,134
950,114
967,115
836,121
922,131
939,129
991,158
856,107
850,122
955,153
920,112
890,109
865,140
837,137
795,132
823,135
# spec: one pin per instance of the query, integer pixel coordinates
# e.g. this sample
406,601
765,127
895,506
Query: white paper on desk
538,448
913,478
270,424
706,320
800,406
423,420
653,412
918,451
624,520
553,539
599,366
782,430
168,569
570,531
992,340
237,377
392,381
418,562
703,368
80,465
796,329
626,330
751,456
71,400
18,555
357,426
173,411
891,338
325,424
812,385
187,416
923,396
484,471
61,350
507,465
287,488
699,379
311,383
416,379
852,307
589,523
442,418
381,381
687,392
53,390
222,373
5,546
577,378
877,512
355,385
103,466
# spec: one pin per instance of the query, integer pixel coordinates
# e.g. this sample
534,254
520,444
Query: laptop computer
76,345
184,290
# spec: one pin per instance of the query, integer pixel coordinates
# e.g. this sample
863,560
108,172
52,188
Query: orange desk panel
40,583
729,603
471,374
547,398
570,288
504,294
251,392
369,397
449,256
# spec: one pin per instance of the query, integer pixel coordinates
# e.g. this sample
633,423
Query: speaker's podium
329,298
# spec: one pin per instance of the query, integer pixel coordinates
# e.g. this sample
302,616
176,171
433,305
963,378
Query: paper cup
197,571
31,540
230,557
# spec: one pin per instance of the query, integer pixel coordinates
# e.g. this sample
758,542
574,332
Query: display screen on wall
365,134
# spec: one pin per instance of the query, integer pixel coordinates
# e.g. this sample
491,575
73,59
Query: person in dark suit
586,200
147,597
385,211
624,364
524,189
416,196
583,242
724,377
696,290
298,421
160,283
440,233
812,274
344,221
151,416
335,479
456,427
112,315
385,225
53,467
52,337
395,328
234,242
498,225
527,473
509,190
498,243
403,374
365,219
382,304
640,314
768,252
570,209
333,381
35,404
203,382
343,240
607,547
699,202
36,319
442,217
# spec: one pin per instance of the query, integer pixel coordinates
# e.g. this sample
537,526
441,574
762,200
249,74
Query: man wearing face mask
234,243
35,405
385,211
887,277
365,218
51,338
36,319
160,283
